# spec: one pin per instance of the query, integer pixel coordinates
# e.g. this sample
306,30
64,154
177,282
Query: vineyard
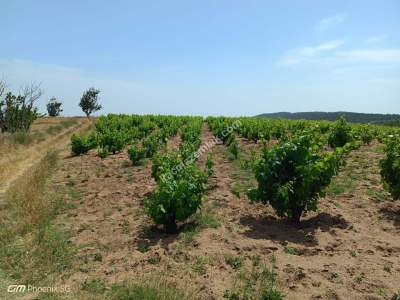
226,208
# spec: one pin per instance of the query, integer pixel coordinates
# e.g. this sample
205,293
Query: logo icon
16,288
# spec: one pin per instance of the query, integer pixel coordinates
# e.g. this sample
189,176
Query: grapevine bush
179,192
113,141
81,144
390,167
292,176
136,154
365,134
341,134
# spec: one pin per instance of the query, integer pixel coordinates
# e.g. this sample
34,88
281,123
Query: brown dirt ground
349,249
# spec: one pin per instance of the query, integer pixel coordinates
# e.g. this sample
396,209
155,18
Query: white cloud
329,54
300,55
329,22
376,39
370,56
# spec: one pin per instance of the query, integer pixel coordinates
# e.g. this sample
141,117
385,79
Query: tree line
19,111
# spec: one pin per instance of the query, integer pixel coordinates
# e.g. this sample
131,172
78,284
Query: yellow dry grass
16,159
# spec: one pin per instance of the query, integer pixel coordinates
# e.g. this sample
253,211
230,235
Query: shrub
233,147
210,165
103,152
365,134
340,134
390,167
82,144
150,144
17,113
292,176
113,140
179,192
136,154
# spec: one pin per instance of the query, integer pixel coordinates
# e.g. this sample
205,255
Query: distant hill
332,116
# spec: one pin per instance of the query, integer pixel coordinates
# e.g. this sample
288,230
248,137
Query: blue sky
210,57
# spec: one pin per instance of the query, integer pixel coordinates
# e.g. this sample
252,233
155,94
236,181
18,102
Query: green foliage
22,137
390,167
179,192
291,250
17,113
102,152
340,134
210,165
97,257
396,296
89,101
271,294
234,261
146,290
143,246
292,176
54,107
136,154
81,144
257,284
233,147
365,134
113,141
150,144
94,285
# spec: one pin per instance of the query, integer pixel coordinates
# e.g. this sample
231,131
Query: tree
3,86
2,90
293,175
19,112
54,107
89,101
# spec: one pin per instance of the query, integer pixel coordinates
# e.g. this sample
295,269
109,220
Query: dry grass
32,247
25,197
19,150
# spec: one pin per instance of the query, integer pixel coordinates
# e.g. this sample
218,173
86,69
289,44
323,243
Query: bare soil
348,249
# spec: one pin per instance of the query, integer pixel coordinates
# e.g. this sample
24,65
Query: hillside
331,116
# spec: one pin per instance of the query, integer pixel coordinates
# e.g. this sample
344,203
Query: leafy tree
293,175
340,134
54,107
89,101
390,167
18,112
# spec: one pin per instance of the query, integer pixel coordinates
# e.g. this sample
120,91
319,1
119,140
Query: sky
209,57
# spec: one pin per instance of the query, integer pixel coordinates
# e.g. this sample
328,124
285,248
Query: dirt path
24,159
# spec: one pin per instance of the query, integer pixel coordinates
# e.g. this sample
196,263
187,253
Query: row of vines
292,173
